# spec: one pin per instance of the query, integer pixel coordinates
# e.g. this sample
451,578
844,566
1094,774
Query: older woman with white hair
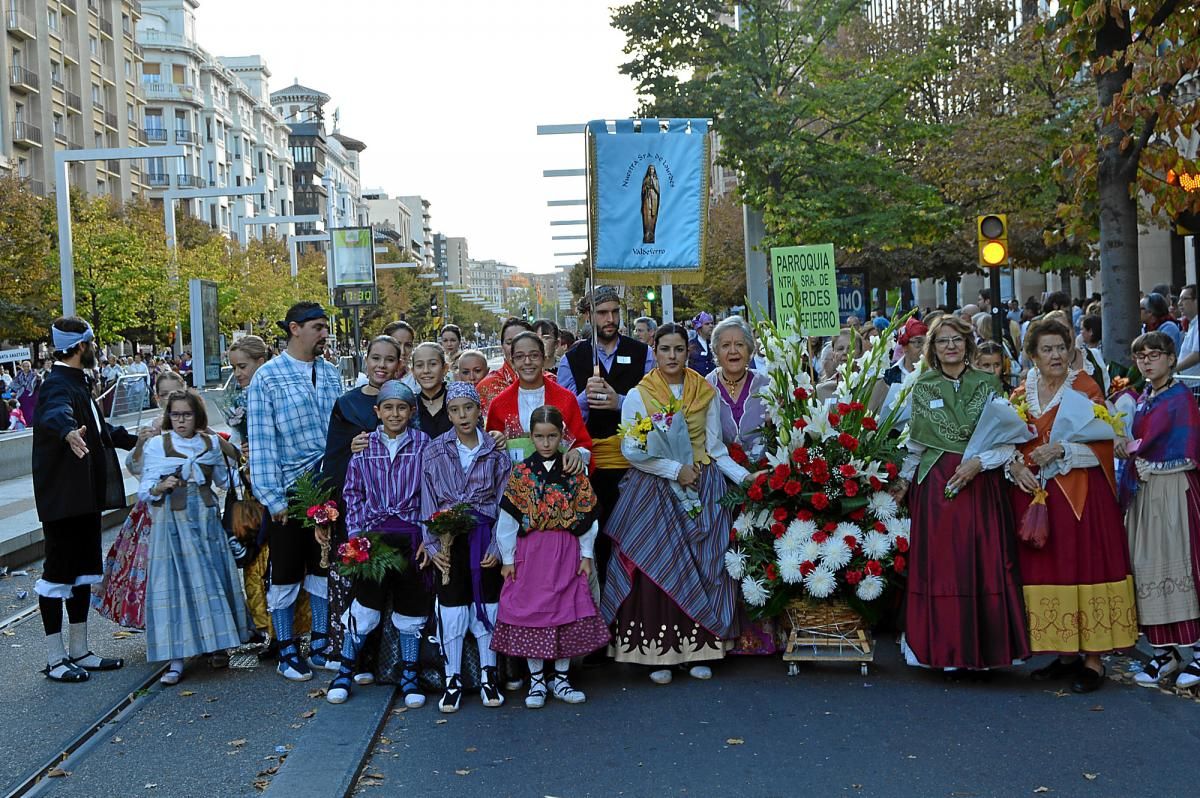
738,386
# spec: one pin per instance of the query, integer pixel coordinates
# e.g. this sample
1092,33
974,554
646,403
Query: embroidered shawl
547,498
1166,429
943,418
697,394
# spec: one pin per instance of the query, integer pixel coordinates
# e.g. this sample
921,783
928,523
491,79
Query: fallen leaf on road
1041,789
472,750
271,771
122,635
212,699
118,740
1091,776
262,784
238,742
463,772
440,722
205,715
735,741
58,773
1057,694
9,633
318,693
297,725
376,776
308,713
187,693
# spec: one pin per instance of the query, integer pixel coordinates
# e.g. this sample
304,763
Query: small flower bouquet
368,558
448,524
310,502
664,434
232,404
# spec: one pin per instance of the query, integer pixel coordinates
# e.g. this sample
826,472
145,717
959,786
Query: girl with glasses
1160,492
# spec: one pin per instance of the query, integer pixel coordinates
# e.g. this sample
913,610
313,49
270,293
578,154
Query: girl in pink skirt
545,533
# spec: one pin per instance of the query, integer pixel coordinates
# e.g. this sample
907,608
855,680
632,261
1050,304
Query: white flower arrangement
870,588
876,545
754,591
882,506
847,529
789,569
835,553
735,563
821,582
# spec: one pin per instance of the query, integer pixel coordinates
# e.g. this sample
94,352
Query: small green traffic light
650,295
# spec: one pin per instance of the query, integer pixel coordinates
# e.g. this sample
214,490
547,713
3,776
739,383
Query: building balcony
71,5
22,80
154,135
158,180
74,102
110,120
191,181
138,52
177,92
37,187
58,84
162,39
106,27
20,25
186,137
26,134
70,51
61,137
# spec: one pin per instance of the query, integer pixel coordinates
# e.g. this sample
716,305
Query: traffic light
992,239
650,295
433,305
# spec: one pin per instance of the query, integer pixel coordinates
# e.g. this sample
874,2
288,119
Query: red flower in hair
820,501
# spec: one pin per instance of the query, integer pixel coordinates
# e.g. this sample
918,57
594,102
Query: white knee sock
483,635
78,640
452,623
561,666
55,653
535,665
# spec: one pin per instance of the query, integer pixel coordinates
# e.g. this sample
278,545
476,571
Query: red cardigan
503,414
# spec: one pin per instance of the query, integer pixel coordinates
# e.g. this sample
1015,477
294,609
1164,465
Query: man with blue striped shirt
288,406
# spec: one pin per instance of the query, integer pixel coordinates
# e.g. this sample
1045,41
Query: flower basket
827,630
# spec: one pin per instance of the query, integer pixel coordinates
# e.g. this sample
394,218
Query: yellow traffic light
992,232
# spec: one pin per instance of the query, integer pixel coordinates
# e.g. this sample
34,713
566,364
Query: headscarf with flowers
542,496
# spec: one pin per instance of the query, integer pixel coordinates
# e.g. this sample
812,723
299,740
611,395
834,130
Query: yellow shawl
697,393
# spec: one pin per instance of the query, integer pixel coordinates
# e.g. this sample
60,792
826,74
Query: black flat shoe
65,671
101,663
1088,680
1057,669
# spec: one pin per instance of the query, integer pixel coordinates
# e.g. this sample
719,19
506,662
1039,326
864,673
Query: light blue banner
649,194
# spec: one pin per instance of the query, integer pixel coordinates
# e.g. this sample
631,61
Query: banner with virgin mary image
648,197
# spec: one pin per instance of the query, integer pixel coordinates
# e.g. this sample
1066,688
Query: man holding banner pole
600,371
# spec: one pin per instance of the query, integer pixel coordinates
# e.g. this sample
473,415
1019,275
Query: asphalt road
752,731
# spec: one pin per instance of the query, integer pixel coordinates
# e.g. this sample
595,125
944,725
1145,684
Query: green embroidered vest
943,418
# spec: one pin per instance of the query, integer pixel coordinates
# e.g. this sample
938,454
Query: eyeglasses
181,416
943,343
527,356
1148,356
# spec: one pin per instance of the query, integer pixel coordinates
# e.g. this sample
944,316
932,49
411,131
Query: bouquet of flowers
664,433
310,502
232,404
817,521
448,524
368,557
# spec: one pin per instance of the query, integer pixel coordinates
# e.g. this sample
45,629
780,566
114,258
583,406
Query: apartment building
419,208
389,213
70,82
219,111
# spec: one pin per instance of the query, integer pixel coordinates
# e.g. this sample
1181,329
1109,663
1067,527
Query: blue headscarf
461,390
394,389
64,340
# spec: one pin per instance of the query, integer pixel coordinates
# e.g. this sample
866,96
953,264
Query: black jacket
63,484
629,366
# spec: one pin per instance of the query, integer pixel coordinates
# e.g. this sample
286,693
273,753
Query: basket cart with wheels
826,631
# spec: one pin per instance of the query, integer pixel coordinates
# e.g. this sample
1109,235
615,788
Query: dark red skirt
1078,588
963,601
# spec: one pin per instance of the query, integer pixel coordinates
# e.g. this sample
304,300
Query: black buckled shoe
65,671
1057,669
1088,680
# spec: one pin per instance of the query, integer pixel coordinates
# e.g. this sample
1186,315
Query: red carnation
761,478
880,526
853,577
772,574
776,482
792,487
858,514
799,424
732,535
848,441
851,541
800,394
780,514
820,501
876,485
738,454
820,537
783,471
901,545
804,515
850,487
870,423
873,568
798,456
807,567
899,564
777,529
891,469
843,408
856,406
847,470
831,526
755,493
834,419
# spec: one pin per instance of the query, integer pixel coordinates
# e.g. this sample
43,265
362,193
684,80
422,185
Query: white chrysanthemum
898,527
881,505
847,529
875,545
811,550
790,543
820,582
870,588
789,569
754,591
735,563
762,519
802,529
835,553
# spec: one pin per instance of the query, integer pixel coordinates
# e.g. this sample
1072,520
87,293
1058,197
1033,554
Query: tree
1138,56
29,290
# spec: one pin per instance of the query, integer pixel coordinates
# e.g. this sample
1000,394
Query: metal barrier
1192,382
129,395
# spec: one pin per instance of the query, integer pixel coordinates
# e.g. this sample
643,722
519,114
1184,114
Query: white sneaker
1157,669
661,677
414,700
1190,676
337,695
563,691
700,672
364,678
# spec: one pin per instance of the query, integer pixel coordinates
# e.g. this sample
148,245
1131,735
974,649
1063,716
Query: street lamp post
62,158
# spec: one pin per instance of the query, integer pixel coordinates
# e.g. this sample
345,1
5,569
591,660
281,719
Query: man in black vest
76,477
601,388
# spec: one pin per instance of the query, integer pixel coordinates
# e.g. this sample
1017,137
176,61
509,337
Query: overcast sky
447,96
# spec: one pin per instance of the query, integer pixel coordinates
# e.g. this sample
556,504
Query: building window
128,69
125,23
52,19
179,74
94,47
58,125
151,72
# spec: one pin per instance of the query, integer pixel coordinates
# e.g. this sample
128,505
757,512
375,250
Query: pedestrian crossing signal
992,232
650,294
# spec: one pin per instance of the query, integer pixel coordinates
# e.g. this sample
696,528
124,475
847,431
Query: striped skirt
194,601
